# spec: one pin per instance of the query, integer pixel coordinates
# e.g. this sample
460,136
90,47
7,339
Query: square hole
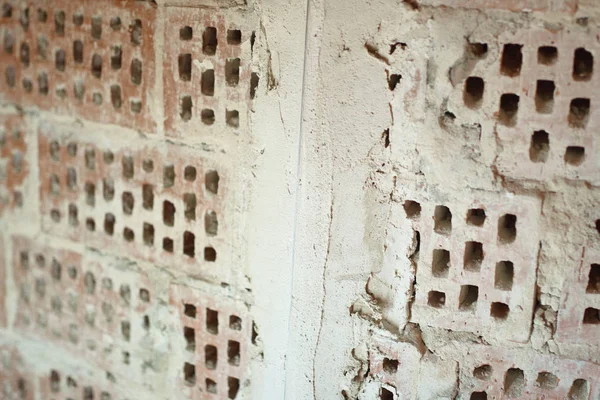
509,107
583,65
232,117
211,386
412,209
539,147
147,196
148,234
232,71
210,254
185,67
574,155
189,310
189,173
473,256
514,383
547,55
547,380
211,223
234,36
233,386
503,277
442,220
109,224
476,216
189,244
211,181
189,202
467,300
208,116
210,357
168,213
507,228
235,323
207,84
128,203
593,285
591,316
168,176
473,94
436,299
189,374
440,265
186,33
212,321
512,59
499,311
168,244
544,96
579,112
233,352
190,338
209,41
186,108
128,234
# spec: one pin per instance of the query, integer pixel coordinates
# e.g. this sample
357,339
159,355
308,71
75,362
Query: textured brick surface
56,384
473,274
14,167
511,5
15,379
3,285
217,335
94,60
208,73
160,205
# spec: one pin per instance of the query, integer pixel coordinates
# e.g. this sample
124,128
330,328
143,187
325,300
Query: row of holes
135,29
233,384
540,148
209,38
207,81
507,224
210,351
212,319
87,392
467,301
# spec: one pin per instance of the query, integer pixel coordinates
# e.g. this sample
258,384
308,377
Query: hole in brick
478,396
579,112
539,147
168,176
115,96
483,372
78,89
78,19
390,366
168,244
11,76
54,185
125,293
128,203
211,386
208,116
253,84
108,188
148,165
43,83
88,393
60,60
393,81
78,51
233,386
148,196
467,299
27,85
186,108
136,106
233,352
512,59
42,47
209,41
574,155
126,358
40,287
591,316
211,180
212,321
436,299
583,65
168,213
148,234
145,295
232,117
210,254
108,157
509,107
232,71
55,150
55,215
385,394
547,380
443,220
97,66
189,310
128,168
208,82
499,311
189,200
580,390
90,159
476,216
128,234
185,67
235,323
90,224
71,178
514,382
90,194
190,338
593,285
59,23
42,15
6,10
146,323
9,42
115,23
547,55
54,381
89,282
211,224
503,278
25,54
544,96
474,87
109,224
189,173
136,71
507,228
96,27
116,57
234,36
210,356
136,32
473,256
479,50
189,244
186,33
107,283
126,330
440,265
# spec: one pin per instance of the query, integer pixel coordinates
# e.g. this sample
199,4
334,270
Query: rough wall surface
207,199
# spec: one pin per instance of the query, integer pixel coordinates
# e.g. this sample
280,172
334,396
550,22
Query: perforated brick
501,373
476,259
163,205
56,384
14,167
16,380
208,75
541,93
94,60
511,5
83,306
217,334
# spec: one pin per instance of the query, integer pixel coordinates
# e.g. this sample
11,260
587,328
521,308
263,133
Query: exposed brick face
15,377
14,167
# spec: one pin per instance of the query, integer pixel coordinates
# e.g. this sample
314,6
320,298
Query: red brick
215,324
510,5
59,385
185,34
13,160
15,377
196,240
467,295
59,78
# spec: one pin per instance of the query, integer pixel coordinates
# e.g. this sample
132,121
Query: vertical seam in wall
297,190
